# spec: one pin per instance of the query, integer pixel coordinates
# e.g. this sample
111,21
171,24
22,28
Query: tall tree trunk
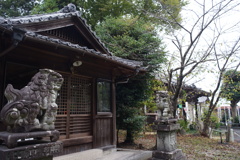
117,136
234,109
174,107
206,124
129,137
196,109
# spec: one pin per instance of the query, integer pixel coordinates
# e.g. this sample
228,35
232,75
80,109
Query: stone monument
29,116
166,128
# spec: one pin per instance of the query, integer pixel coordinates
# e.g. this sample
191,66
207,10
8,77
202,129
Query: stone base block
173,155
42,151
166,141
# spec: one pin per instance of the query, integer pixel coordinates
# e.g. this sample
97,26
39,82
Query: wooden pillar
114,142
94,111
68,108
2,79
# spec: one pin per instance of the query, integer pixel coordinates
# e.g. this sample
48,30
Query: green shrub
148,127
236,119
183,125
214,120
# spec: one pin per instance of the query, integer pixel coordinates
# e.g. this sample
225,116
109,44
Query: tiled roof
128,62
10,22
68,11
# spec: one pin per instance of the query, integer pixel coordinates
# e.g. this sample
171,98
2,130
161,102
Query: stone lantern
166,127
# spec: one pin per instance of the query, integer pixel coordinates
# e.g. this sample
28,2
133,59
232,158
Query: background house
63,42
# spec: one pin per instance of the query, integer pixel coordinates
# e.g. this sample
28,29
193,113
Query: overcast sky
230,19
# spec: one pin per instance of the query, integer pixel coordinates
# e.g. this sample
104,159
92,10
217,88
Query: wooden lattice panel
62,97
75,96
80,96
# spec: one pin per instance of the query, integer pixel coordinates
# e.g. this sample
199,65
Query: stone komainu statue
33,107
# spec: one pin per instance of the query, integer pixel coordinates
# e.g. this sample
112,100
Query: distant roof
67,11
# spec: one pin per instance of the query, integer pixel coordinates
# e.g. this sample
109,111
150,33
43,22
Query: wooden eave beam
46,25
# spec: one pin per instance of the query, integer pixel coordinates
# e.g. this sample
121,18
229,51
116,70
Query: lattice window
62,97
78,102
80,96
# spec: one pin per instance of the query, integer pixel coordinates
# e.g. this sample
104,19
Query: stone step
91,154
113,154
127,154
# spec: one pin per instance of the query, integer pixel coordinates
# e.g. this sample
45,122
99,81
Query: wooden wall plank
77,141
104,132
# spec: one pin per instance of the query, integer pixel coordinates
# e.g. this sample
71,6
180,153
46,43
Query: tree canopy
231,85
95,11
134,39
10,8
231,88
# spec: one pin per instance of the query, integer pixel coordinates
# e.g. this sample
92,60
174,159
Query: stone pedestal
167,141
29,145
11,139
39,151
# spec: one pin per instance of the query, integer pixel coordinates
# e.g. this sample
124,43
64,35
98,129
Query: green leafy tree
10,8
133,39
95,11
48,6
129,115
231,89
